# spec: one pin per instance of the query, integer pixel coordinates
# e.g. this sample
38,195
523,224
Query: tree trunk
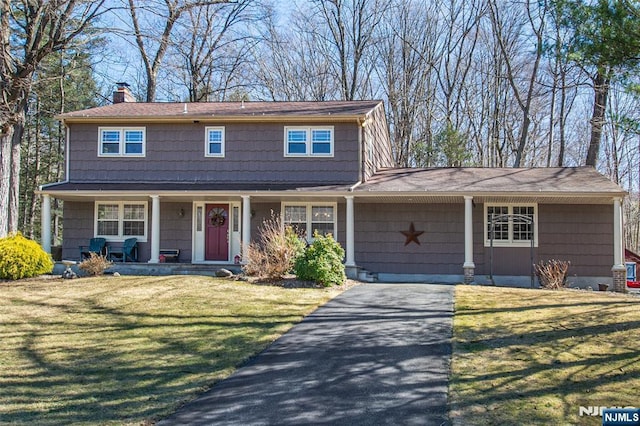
601,91
6,137
14,189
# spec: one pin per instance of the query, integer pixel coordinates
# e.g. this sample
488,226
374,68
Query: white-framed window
308,218
121,141
515,225
304,141
118,220
214,142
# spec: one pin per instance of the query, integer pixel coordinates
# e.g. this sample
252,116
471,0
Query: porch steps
367,276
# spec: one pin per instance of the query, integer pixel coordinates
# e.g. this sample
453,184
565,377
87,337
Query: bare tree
507,40
212,49
165,14
29,32
292,63
351,25
407,55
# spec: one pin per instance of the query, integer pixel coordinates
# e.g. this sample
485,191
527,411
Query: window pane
322,228
133,148
133,136
501,227
321,135
522,231
236,219
295,214
130,228
321,148
297,148
110,148
297,136
215,148
215,136
110,136
296,141
134,211
108,227
321,141
322,214
107,211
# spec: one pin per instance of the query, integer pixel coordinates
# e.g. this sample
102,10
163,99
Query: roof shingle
191,110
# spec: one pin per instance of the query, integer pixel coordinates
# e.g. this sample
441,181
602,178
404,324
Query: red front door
217,232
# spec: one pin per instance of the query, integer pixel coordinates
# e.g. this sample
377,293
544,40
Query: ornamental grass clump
274,255
95,264
322,262
552,274
22,258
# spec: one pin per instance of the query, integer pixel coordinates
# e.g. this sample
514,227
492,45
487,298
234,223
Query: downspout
361,157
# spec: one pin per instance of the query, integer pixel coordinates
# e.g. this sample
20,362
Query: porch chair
97,246
129,251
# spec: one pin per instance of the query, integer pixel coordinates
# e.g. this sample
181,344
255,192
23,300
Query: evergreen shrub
21,257
322,262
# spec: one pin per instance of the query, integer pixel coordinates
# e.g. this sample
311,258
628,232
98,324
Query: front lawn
119,350
535,356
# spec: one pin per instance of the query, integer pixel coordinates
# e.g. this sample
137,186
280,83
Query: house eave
209,119
361,197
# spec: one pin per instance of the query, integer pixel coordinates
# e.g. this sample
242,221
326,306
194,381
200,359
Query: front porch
158,269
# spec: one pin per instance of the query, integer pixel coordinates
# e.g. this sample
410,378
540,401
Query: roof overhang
276,192
212,119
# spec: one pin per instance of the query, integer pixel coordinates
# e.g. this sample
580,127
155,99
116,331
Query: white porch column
46,223
618,270
468,265
246,226
155,229
350,260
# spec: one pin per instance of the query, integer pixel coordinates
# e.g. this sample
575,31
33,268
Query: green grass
535,356
130,350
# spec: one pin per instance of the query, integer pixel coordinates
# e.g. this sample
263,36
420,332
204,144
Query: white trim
350,246
308,141
155,229
46,223
206,141
468,232
121,141
246,226
511,242
120,204
618,233
309,220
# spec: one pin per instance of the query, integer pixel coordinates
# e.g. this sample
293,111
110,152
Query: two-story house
201,178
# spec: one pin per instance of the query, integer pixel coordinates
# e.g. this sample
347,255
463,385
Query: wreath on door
218,216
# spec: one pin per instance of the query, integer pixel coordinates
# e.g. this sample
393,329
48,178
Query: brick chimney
122,94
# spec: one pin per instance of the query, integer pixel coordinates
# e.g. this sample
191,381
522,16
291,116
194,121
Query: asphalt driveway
378,354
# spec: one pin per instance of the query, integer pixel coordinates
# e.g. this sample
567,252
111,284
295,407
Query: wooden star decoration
412,235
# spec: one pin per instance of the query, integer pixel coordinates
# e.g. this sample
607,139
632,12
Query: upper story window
120,220
214,142
308,141
121,141
514,225
309,218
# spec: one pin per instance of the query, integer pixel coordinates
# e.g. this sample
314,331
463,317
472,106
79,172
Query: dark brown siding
175,152
380,247
78,228
581,234
175,230
376,143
